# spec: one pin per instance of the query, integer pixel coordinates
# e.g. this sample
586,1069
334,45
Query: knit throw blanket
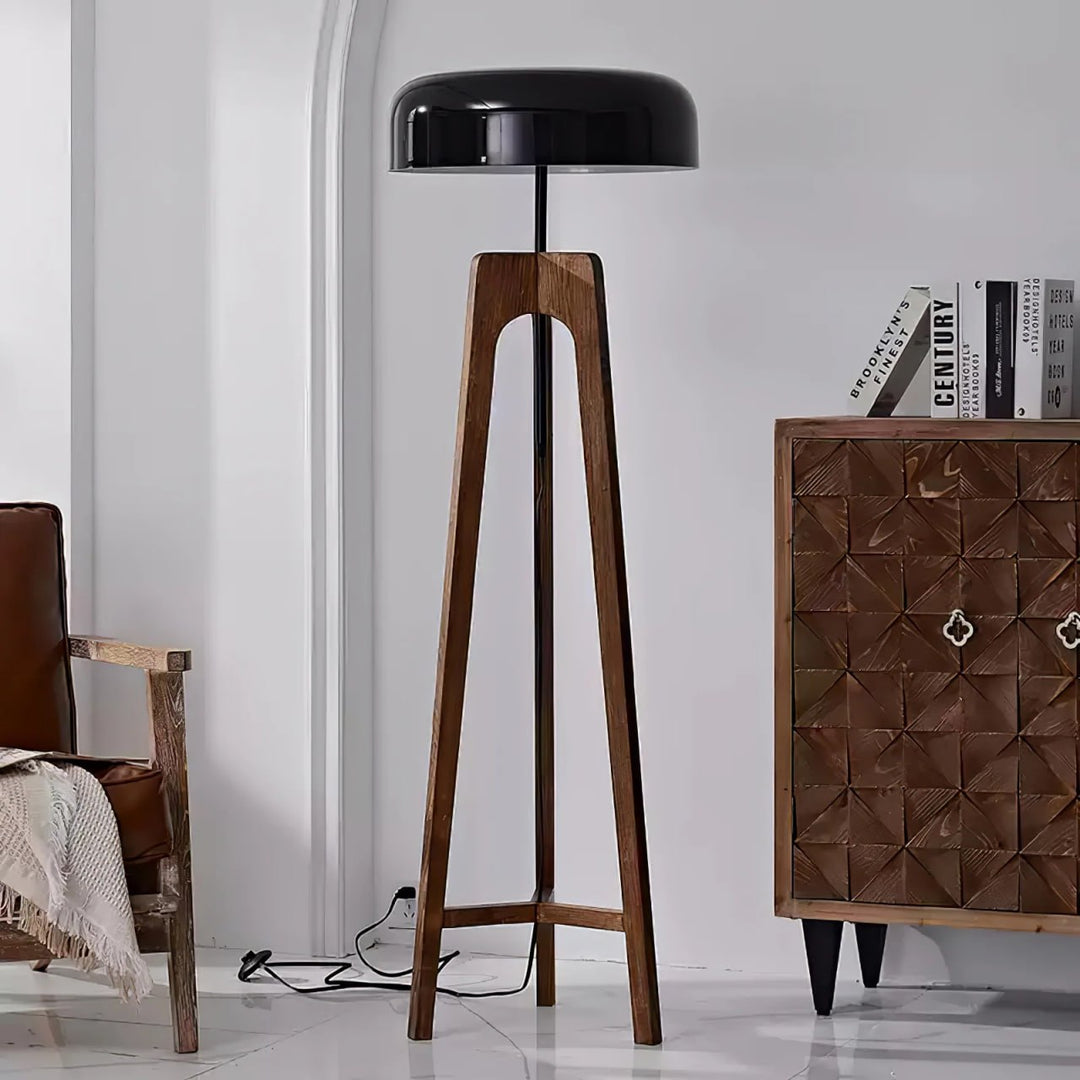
61,870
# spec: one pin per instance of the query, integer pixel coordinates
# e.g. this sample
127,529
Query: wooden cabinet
928,612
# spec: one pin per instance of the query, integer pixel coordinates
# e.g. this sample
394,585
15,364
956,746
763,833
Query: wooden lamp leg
572,284
496,294
544,659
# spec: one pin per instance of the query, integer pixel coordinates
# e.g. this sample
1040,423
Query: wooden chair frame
163,920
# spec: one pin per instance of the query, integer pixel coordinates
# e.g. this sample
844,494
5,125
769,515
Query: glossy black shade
566,119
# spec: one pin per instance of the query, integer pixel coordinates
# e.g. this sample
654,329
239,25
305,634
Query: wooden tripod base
568,287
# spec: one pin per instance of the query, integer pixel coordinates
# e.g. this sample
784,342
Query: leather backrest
37,704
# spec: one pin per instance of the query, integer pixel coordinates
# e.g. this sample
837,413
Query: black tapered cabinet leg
870,938
822,937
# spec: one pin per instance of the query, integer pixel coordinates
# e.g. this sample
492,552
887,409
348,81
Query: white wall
847,150
203,340
36,229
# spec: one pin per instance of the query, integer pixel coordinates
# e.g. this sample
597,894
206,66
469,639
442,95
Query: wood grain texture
148,657
592,918
1047,470
544,660
501,288
814,651
154,935
153,904
572,290
165,699
934,916
567,287
15,945
543,912
915,428
952,783
489,915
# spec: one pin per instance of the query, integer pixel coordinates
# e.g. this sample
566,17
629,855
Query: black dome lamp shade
559,120
563,119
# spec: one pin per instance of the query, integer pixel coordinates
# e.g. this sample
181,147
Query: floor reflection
716,1026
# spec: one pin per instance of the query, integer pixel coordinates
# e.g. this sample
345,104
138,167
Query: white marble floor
716,1025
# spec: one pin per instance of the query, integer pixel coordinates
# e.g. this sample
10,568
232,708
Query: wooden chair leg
822,939
498,292
40,965
870,939
165,698
572,284
182,993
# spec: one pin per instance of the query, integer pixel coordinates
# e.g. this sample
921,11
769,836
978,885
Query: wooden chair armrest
147,657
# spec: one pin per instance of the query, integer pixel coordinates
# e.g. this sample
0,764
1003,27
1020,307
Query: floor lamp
541,120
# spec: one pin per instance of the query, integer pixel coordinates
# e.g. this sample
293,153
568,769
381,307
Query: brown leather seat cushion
142,813
137,795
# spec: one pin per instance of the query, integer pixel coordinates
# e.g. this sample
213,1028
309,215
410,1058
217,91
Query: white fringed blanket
61,870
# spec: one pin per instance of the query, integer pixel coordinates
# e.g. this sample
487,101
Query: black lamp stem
543,602
540,188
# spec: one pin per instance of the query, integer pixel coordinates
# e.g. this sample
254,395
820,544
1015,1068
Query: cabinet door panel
875,583
932,526
1047,470
1047,588
819,639
1048,705
925,647
989,528
1047,530
931,584
876,525
1041,651
939,701
875,467
988,470
820,582
988,587
820,525
994,647
926,772
931,469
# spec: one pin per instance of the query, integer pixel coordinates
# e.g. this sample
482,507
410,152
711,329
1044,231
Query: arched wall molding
342,839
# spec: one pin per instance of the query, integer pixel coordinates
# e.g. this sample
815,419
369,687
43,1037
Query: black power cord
253,962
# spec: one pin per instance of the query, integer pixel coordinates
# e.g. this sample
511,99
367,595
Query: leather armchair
37,712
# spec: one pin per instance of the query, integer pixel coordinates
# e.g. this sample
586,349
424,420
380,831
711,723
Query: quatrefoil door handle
958,630
1068,630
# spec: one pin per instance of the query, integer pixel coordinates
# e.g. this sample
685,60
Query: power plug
403,917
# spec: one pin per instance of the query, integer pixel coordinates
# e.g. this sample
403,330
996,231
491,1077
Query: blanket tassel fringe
30,919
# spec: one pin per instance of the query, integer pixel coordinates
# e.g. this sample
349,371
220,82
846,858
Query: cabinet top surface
921,427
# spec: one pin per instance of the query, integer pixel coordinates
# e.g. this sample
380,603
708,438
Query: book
945,349
896,358
1043,349
972,349
1000,345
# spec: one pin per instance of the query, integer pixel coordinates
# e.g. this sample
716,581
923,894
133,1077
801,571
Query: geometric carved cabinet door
926,687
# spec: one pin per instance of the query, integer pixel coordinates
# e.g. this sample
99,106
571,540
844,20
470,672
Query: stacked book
984,348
